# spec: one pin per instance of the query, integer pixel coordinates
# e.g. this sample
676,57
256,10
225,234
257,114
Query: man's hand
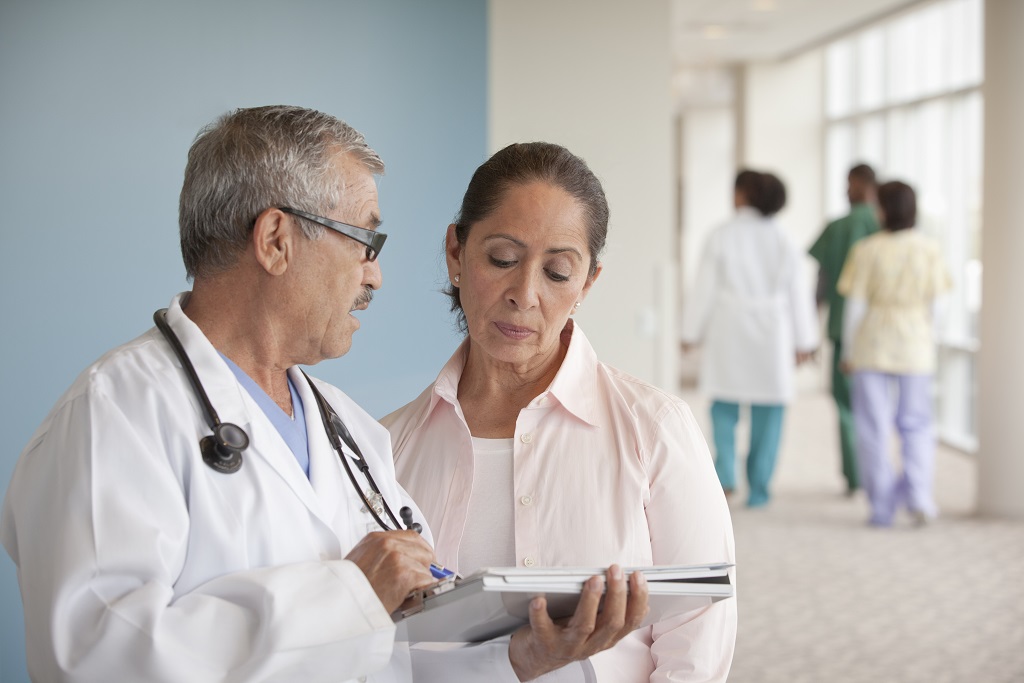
395,563
544,645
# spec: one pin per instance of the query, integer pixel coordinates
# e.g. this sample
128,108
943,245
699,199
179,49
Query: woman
892,282
528,451
753,312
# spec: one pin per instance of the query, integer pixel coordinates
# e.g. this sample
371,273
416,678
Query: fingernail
535,605
616,572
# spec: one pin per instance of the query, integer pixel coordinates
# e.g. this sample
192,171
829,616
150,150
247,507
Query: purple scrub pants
881,400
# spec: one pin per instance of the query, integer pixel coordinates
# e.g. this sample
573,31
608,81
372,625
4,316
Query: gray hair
250,160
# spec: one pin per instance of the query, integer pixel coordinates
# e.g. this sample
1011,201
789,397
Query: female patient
527,450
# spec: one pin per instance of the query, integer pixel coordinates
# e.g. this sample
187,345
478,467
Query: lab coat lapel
233,404
340,507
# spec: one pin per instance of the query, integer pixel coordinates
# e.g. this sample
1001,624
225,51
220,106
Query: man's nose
372,275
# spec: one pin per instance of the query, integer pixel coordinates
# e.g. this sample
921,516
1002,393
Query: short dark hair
898,204
763,191
772,196
863,173
522,163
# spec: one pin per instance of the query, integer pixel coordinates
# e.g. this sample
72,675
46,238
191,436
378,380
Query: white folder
495,602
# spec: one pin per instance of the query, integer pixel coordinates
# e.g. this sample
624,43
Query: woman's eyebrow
520,243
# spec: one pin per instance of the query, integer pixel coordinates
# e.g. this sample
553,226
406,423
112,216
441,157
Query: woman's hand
545,645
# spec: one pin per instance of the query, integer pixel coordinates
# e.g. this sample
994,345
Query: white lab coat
751,310
137,562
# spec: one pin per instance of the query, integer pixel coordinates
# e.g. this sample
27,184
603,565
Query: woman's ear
453,255
591,279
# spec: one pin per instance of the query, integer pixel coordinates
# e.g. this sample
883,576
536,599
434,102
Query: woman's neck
493,393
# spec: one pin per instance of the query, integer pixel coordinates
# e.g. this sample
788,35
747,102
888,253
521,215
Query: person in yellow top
893,282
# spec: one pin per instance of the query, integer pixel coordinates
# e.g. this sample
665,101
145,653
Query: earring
456,278
577,305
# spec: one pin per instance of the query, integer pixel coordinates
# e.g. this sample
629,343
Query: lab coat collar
226,394
748,212
574,385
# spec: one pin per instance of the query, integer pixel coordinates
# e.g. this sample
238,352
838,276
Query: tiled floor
823,597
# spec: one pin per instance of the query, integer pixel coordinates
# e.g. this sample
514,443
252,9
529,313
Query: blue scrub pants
765,434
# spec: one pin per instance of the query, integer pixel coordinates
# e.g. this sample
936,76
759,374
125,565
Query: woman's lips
513,332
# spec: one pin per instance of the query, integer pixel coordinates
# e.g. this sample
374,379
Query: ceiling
716,32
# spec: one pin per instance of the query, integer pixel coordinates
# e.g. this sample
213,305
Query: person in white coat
149,549
752,312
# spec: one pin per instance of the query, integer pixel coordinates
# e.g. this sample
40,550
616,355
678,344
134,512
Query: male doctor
143,555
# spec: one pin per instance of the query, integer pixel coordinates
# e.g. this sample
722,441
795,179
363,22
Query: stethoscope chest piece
222,450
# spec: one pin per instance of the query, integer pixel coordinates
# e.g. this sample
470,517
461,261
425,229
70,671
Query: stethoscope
222,450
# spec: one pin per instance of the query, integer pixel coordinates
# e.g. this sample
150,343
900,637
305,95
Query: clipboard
495,602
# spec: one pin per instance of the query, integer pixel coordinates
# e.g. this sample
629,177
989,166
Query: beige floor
823,597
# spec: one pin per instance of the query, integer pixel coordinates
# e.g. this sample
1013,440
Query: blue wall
100,102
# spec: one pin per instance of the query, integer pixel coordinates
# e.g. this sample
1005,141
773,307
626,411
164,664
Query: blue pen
440,572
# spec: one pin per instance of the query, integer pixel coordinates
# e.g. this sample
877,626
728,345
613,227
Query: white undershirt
489,537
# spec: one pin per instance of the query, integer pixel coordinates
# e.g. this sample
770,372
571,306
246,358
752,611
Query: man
138,562
830,251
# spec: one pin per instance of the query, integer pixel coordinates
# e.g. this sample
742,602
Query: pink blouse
607,469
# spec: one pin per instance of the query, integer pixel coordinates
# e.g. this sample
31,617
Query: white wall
1001,371
783,132
708,154
593,75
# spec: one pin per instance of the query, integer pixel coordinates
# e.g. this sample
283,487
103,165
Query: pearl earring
456,279
577,305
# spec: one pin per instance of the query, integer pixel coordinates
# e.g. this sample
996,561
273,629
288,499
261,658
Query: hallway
824,598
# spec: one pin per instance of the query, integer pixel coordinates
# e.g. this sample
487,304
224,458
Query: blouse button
529,561
526,500
526,438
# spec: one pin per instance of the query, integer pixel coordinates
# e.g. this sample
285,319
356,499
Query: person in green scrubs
830,251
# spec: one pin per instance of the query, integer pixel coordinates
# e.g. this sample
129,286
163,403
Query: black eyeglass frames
373,240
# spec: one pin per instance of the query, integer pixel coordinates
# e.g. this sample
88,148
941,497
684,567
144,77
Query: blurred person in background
893,283
529,451
752,310
830,251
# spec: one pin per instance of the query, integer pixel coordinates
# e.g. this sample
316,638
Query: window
904,95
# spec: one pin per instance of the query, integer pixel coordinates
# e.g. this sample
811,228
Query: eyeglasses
373,240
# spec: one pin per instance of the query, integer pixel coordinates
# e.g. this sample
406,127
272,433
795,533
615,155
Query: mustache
365,298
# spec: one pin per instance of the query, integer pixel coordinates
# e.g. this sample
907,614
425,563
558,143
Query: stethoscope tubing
337,432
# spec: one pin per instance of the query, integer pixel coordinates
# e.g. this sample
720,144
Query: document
495,602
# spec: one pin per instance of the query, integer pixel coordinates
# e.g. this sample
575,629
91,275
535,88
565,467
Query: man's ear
452,253
273,241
